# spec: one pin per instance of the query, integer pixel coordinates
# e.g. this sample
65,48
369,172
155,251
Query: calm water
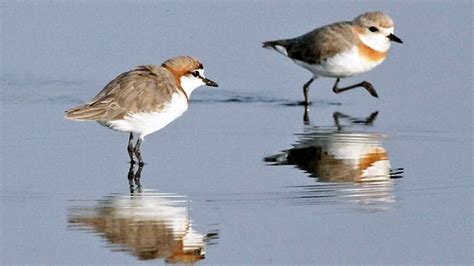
245,176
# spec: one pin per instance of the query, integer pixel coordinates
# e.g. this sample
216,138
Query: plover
341,50
145,99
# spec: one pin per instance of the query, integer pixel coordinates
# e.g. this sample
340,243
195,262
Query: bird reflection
340,154
145,223
134,178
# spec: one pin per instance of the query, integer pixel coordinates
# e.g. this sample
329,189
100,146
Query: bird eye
373,29
195,73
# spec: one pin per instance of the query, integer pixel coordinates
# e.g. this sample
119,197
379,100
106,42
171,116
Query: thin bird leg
306,90
137,152
130,148
364,84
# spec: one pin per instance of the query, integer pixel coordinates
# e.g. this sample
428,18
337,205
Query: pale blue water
207,194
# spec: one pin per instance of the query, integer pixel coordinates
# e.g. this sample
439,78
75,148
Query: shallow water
246,175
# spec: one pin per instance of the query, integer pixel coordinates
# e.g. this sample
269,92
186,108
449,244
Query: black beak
394,38
209,82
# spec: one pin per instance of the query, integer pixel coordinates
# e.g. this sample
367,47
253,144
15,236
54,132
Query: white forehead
386,31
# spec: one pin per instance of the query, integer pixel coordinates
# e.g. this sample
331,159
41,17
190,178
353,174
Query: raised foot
370,88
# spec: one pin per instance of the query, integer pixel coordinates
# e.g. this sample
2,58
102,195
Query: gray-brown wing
144,89
321,43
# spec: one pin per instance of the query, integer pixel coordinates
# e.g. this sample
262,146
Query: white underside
342,65
147,123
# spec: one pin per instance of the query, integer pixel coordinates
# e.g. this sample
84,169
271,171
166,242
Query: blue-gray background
55,55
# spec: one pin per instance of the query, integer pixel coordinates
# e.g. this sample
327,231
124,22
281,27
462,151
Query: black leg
364,84
130,148
137,152
306,90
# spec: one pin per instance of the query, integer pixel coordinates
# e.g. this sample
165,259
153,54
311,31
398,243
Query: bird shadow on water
347,163
145,223
239,98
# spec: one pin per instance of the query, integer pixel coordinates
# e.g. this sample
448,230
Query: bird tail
278,45
277,159
84,112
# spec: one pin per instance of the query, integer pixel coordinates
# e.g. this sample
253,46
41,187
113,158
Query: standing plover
341,50
145,99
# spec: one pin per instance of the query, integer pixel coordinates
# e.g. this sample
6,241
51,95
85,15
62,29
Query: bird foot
370,88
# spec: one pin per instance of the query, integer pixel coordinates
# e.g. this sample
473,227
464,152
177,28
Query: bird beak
394,38
209,82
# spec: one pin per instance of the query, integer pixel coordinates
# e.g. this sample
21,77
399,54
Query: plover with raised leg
341,50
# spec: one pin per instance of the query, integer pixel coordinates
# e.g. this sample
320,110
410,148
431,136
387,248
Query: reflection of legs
364,84
134,178
306,116
138,174
130,148
336,116
368,121
306,90
137,152
131,175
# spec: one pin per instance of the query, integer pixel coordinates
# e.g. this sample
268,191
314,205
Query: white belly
342,65
146,123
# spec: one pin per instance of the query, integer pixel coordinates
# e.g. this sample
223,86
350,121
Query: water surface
246,175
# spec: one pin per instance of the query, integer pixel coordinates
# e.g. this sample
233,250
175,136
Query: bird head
375,29
189,71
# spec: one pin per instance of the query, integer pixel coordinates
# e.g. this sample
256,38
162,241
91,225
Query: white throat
377,41
189,82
